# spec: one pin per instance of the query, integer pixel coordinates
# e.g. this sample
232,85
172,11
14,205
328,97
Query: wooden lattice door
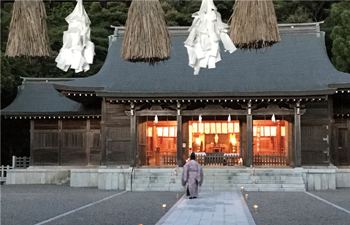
344,147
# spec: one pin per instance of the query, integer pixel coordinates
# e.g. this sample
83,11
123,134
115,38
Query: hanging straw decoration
146,37
205,34
77,51
28,31
254,24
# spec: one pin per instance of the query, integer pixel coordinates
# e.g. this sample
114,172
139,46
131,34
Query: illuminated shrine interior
214,136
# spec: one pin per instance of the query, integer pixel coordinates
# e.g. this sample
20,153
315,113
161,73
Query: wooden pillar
60,142
103,131
179,135
243,141
297,136
289,141
31,159
88,141
278,138
185,139
331,150
249,135
155,154
133,135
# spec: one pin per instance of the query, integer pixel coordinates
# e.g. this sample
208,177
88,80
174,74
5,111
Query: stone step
221,180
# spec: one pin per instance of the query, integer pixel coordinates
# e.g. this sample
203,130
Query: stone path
211,207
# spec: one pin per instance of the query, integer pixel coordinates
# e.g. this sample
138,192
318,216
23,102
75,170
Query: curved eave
76,89
40,98
344,86
284,94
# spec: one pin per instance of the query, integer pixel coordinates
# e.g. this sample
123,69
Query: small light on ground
253,180
164,205
256,207
172,180
246,196
242,188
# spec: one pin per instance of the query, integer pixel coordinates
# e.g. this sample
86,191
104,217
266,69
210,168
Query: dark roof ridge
44,79
313,27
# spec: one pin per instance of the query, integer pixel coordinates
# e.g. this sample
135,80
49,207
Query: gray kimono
192,176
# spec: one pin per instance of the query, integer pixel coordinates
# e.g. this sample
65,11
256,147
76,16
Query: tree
340,16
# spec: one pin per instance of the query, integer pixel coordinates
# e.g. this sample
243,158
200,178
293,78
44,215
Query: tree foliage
340,17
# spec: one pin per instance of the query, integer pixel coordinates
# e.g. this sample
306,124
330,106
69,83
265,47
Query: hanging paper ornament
28,31
77,51
273,118
254,24
206,32
146,37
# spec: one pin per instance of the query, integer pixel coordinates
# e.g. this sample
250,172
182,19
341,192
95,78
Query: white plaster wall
343,178
319,179
84,178
37,176
113,179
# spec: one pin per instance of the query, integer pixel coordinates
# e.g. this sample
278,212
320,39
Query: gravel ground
299,208
32,204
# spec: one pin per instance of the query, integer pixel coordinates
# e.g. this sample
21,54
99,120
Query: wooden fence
20,162
208,159
269,160
168,160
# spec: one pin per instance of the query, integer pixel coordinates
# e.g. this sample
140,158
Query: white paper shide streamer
205,34
77,51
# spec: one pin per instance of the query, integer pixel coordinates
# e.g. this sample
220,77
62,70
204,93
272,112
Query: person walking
192,176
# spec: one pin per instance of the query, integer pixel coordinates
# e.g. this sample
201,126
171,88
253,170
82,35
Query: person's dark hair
193,156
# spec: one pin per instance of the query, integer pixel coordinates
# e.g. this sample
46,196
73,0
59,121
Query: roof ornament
206,32
254,24
77,51
146,37
28,35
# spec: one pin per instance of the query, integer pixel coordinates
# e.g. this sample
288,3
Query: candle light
256,207
246,196
253,180
242,188
164,206
172,180
252,173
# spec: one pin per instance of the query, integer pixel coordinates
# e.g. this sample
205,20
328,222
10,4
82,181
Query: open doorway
161,142
269,137
214,137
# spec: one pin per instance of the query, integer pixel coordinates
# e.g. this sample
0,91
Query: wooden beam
297,136
249,136
133,142
179,140
103,131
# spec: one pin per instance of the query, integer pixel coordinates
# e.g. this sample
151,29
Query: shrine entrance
161,143
215,142
269,142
